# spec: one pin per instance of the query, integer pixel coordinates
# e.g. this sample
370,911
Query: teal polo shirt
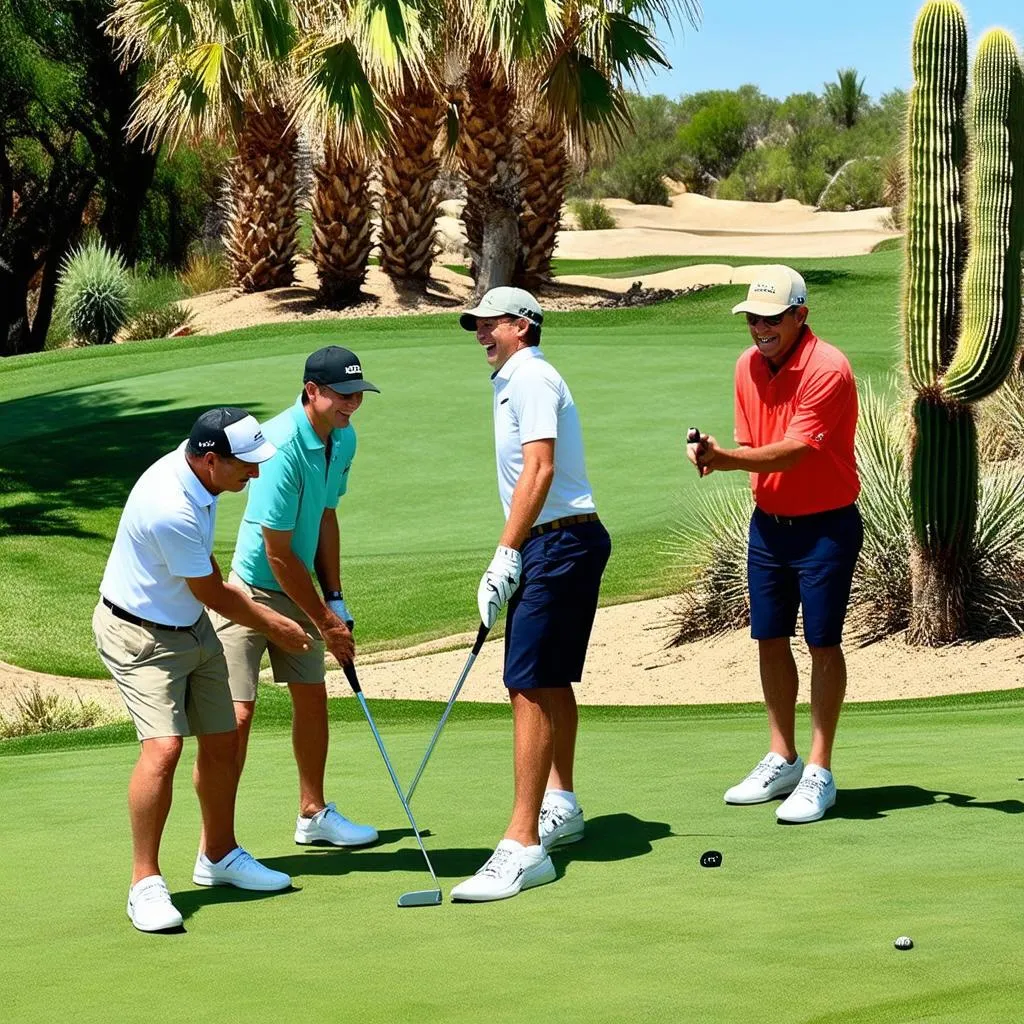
291,492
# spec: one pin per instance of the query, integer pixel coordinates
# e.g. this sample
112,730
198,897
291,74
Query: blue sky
797,45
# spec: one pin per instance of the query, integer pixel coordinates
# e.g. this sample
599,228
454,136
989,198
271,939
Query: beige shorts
172,683
244,647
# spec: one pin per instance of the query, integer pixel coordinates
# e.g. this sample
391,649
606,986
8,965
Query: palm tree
578,100
222,68
355,56
845,97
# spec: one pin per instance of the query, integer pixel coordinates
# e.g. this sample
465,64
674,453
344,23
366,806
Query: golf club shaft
353,681
480,637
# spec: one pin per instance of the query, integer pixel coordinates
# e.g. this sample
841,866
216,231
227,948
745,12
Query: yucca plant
961,289
94,293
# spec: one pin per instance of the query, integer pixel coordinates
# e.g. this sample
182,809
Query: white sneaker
511,868
559,823
150,907
815,794
774,776
240,869
328,826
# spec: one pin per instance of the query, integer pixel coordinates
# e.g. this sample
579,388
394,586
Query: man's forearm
769,458
235,605
528,499
296,582
327,560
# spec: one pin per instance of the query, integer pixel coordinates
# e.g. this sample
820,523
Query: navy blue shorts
551,614
806,562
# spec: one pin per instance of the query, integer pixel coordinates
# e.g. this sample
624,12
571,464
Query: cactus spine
961,288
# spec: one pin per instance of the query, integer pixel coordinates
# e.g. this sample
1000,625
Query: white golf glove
499,583
340,609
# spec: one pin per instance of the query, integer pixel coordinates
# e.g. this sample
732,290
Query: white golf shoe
149,905
510,869
814,795
328,826
560,823
240,869
773,776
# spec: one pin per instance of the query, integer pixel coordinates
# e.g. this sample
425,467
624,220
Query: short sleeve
820,406
182,545
274,495
742,433
535,406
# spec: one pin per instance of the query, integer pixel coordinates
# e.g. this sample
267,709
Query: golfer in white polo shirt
549,562
154,635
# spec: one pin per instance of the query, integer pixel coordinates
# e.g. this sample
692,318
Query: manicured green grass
924,841
422,515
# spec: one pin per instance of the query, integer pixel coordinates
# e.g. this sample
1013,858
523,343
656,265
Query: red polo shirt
811,399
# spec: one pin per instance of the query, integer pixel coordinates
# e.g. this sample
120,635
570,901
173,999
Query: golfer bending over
554,550
796,415
288,534
154,636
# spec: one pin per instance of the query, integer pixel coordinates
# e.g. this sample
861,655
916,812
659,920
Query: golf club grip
481,636
693,437
350,674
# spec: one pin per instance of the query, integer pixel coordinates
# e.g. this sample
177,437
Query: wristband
333,595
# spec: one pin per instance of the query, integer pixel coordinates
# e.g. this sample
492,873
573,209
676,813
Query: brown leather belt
120,613
558,524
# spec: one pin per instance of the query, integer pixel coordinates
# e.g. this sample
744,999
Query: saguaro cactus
961,287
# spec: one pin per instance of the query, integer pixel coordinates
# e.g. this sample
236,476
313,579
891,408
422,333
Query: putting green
797,924
422,515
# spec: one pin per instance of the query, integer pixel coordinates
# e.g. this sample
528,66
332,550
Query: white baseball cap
775,289
504,301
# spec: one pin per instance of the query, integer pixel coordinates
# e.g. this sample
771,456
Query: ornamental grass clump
37,712
94,293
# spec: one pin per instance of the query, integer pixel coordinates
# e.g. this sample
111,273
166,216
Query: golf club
693,437
481,635
422,897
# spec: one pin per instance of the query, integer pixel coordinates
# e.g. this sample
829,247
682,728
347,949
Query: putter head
422,898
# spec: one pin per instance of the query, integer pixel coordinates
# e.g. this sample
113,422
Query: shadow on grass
876,802
613,837
188,901
78,463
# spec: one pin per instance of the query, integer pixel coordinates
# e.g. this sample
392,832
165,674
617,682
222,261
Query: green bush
206,271
153,291
591,215
94,293
860,185
159,323
638,178
36,712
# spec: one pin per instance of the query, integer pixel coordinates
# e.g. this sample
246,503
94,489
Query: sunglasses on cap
771,321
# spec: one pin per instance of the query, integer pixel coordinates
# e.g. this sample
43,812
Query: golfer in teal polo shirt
288,543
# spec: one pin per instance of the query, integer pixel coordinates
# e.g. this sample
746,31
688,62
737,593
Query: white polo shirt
533,403
165,536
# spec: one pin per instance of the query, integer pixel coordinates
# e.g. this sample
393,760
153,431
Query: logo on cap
762,288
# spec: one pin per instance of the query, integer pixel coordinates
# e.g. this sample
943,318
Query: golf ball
904,942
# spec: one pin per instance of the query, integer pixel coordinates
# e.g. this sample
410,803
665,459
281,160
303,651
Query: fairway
422,515
924,841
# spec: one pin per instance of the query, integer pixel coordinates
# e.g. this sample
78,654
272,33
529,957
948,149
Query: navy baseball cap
338,369
230,431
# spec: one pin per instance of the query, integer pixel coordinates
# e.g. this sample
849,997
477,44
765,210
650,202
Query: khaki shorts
244,647
172,683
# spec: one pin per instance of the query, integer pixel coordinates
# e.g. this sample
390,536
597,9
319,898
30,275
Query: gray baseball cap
504,301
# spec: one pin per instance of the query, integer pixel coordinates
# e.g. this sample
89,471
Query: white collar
516,360
194,488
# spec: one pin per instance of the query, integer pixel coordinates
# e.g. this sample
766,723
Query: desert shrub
94,293
638,178
763,175
36,712
591,215
159,323
151,291
1001,422
206,271
858,185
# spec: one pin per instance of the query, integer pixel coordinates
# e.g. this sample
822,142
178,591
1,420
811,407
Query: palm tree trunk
342,221
543,189
488,151
409,208
262,229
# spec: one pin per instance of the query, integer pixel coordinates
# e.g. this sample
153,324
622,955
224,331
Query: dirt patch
629,663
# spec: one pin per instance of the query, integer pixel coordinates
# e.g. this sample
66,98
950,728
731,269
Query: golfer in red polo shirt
796,416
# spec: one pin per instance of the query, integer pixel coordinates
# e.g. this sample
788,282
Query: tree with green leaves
845,97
